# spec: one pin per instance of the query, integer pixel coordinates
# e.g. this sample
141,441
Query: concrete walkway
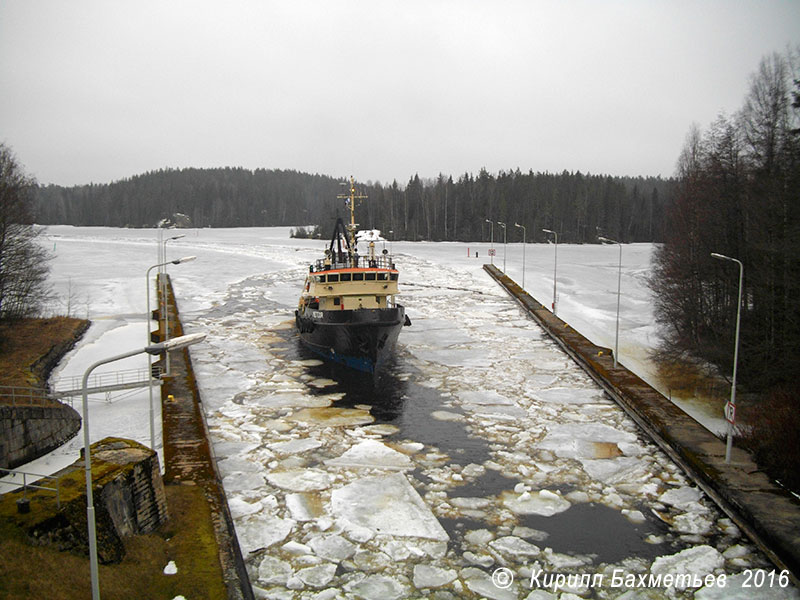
188,456
765,512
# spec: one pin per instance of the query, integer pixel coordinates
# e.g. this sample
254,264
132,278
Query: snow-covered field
483,448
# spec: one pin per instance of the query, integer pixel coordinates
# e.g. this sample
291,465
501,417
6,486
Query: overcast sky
99,91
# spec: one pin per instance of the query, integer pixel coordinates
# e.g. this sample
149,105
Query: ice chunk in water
387,504
543,502
263,532
317,576
297,446
274,570
697,560
372,454
332,547
683,497
431,577
300,480
377,587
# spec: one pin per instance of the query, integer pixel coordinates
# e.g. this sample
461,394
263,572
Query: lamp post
150,349
619,293
491,252
732,403
524,232
147,331
503,225
164,292
555,268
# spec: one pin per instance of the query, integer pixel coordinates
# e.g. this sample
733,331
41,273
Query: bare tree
23,262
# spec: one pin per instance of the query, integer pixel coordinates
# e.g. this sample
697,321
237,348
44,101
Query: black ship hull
359,339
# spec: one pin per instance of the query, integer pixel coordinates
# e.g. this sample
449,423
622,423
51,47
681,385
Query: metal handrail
108,378
26,485
26,396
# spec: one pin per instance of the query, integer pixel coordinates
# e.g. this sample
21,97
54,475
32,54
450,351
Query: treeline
738,195
574,204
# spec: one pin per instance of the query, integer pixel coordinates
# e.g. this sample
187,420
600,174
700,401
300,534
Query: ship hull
358,339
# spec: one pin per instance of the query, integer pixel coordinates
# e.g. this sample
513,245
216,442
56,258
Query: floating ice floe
291,400
259,532
332,417
372,454
274,570
563,395
432,577
684,497
296,446
387,504
304,506
544,503
377,587
332,547
300,480
481,583
735,589
697,560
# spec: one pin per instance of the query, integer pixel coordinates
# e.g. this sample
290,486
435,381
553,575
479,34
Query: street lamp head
488,221
549,231
607,240
185,259
175,237
175,343
503,225
518,225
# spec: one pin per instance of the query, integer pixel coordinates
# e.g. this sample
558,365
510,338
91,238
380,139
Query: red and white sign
730,413
491,251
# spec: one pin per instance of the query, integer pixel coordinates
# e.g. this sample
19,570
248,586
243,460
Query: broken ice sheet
374,455
544,503
300,480
387,504
296,446
261,531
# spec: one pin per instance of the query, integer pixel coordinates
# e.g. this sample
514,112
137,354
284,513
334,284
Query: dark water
396,398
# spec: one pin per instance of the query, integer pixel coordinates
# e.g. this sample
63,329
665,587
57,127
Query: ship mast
350,200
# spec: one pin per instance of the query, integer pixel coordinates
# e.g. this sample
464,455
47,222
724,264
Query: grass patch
24,342
771,434
685,378
28,571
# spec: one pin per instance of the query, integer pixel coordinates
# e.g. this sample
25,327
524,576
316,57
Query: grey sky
99,91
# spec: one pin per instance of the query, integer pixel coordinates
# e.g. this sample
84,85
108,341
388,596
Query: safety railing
26,396
25,485
106,381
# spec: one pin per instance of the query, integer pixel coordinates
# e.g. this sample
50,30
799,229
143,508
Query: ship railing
343,261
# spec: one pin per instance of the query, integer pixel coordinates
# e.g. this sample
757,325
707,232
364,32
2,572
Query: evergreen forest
575,205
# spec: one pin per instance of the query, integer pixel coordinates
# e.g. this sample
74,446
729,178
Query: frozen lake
482,447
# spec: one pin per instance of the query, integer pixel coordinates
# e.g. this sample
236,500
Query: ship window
358,277
333,277
393,276
369,276
382,276
344,277
337,301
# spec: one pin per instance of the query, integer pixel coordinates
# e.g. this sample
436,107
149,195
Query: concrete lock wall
28,432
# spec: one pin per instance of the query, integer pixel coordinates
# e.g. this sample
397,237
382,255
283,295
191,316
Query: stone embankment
31,424
28,432
188,454
768,514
